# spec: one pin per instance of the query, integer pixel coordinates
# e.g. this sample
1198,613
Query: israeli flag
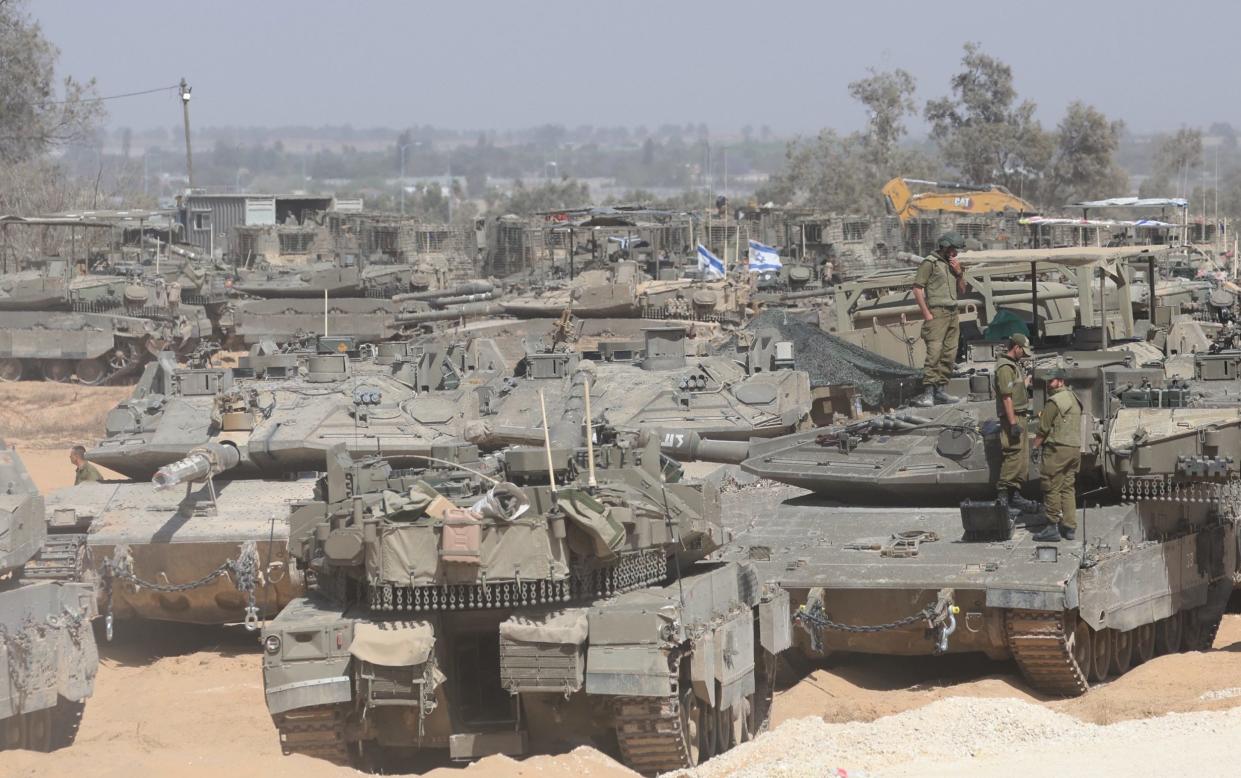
708,264
763,258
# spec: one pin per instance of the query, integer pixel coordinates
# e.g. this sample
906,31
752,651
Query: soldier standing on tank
1012,405
1060,439
84,471
937,284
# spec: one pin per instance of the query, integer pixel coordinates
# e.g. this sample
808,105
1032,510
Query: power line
115,97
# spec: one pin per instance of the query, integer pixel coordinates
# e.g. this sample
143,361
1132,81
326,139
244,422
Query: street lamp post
403,147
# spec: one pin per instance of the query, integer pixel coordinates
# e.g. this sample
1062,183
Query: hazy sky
729,63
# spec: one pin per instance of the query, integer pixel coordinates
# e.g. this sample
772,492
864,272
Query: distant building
210,219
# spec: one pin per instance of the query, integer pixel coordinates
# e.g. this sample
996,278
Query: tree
983,132
33,117
1084,167
889,98
1176,158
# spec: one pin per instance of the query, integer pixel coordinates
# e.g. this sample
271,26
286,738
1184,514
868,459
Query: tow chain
243,570
940,617
17,648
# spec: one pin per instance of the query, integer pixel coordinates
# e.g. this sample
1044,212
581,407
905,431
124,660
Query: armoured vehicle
1149,577
652,385
282,411
92,328
1138,424
191,546
564,600
47,648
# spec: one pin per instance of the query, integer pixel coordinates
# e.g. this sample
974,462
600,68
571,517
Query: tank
97,329
292,300
193,545
659,386
48,656
1142,426
1147,577
282,410
551,596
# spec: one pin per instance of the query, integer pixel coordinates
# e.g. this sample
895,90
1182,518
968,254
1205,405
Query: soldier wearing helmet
937,284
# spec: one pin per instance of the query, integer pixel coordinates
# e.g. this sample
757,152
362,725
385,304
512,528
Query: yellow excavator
950,197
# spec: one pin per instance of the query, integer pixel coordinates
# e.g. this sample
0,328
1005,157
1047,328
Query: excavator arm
959,198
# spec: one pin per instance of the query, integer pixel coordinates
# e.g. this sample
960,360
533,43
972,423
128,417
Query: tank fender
702,668
775,623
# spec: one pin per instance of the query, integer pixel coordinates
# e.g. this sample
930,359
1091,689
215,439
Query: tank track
60,559
317,731
1038,640
650,733
66,719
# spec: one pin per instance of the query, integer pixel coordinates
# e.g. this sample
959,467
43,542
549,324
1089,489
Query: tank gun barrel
807,294
463,299
687,446
201,463
456,312
467,288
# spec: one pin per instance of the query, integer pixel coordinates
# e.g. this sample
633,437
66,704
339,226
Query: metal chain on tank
939,616
18,649
244,571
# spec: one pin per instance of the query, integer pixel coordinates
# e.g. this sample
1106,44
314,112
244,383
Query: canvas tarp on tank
833,361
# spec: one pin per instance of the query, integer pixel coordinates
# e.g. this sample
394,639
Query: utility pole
189,155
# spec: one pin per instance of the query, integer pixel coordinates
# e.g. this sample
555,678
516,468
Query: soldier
85,471
1012,405
1060,439
937,285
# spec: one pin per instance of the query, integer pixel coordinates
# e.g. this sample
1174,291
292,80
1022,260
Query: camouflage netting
832,361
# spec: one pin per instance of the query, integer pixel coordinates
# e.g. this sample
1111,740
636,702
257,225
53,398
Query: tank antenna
590,440
547,444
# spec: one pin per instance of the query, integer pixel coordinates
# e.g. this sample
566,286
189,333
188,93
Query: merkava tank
229,450
652,385
1149,577
555,598
282,410
48,656
620,291
291,301
90,328
1138,422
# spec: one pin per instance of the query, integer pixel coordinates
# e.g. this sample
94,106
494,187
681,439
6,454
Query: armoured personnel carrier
563,601
47,648
1148,577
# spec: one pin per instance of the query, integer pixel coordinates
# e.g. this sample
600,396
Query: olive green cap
1021,341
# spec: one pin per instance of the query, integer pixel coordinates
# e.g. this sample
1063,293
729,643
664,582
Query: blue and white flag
763,258
708,264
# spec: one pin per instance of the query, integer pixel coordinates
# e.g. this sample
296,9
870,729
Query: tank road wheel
11,732
91,371
37,730
58,370
743,720
1122,651
11,369
1144,643
691,724
710,732
1100,655
1168,634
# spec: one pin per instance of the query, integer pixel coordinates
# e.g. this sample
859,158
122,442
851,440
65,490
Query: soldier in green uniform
85,471
937,284
1012,406
1060,438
